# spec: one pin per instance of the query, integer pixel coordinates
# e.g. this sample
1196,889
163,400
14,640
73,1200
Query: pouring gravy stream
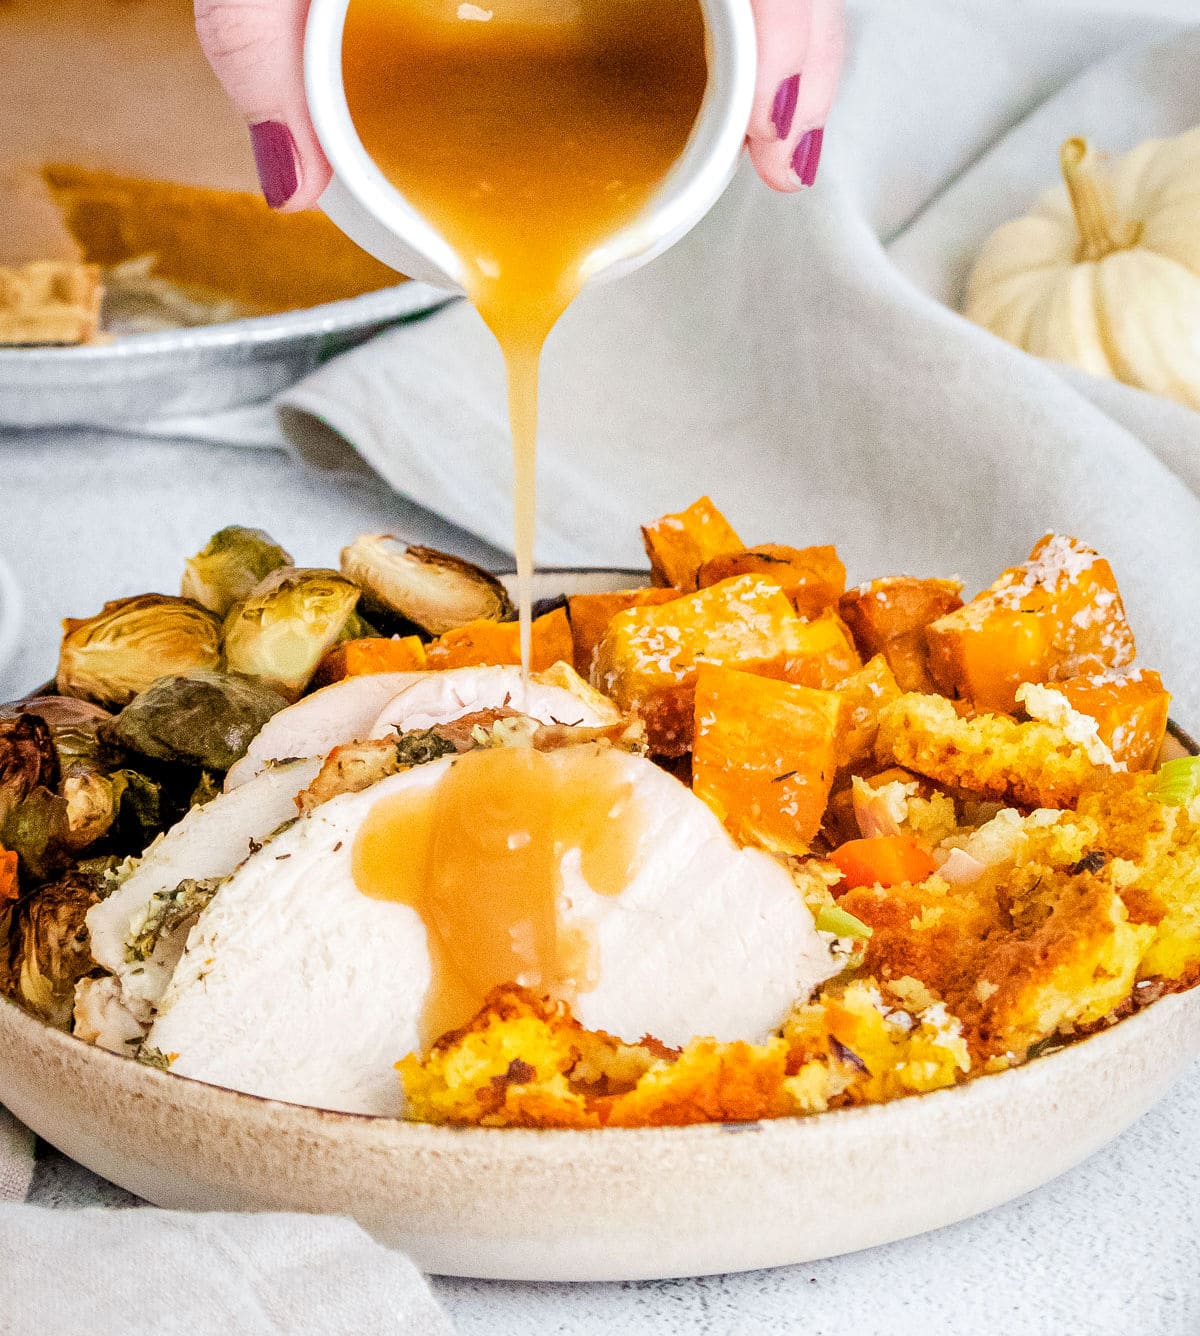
528,133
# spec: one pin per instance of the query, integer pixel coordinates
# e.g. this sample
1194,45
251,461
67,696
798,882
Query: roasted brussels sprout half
76,726
33,817
230,566
48,949
140,810
91,807
287,625
28,761
358,628
38,831
435,591
61,788
199,719
125,806
132,642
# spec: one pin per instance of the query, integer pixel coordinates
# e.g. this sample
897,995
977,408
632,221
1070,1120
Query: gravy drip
479,855
527,132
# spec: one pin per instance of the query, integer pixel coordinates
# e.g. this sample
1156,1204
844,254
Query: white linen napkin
167,1273
795,356
16,1158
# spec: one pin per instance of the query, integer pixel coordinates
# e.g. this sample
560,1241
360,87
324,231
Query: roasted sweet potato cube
908,658
764,756
889,616
1058,616
1131,709
590,615
647,661
374,654
818,654
881,610
812,577
678,545
484,642
863,695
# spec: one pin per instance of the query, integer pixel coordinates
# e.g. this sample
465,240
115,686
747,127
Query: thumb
256,48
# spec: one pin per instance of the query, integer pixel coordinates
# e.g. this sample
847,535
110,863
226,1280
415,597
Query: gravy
479,855
527,132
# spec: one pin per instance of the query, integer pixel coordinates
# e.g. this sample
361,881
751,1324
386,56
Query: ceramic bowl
600,1205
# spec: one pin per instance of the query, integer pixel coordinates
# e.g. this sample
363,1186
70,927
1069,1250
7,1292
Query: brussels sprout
206,788
287,625
28,761
358,628
229,566
76,727
198,719
90,807
138,809
435,591
38,829
78,733
48,946
132,642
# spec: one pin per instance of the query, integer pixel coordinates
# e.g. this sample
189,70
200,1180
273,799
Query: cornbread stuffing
1066,892
525,1062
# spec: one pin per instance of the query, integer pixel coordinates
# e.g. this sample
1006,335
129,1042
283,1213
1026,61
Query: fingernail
784,106
807,157
275,157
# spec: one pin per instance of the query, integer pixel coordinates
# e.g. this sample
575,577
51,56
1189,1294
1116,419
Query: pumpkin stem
1101,228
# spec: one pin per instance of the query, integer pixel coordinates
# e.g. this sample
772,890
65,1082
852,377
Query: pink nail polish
784,106
807,157
275,158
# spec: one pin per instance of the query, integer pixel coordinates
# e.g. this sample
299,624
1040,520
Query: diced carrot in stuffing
885,860
863,696
358,658
889,616
1131,710
1058,616
590,615
812,577
9,889
764,756
648,659
484,642
678,545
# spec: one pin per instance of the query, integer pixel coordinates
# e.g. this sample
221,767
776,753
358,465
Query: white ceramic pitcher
373,213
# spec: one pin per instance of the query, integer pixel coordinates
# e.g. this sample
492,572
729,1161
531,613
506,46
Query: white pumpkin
1104,274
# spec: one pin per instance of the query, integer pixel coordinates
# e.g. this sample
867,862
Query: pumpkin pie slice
50,301
118,148
213,244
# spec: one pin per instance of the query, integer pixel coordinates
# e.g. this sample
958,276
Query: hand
799,63
256,47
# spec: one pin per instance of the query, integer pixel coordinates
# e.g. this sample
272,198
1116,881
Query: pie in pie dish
50,301
122,165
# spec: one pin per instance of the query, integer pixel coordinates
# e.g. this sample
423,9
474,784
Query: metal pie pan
183,372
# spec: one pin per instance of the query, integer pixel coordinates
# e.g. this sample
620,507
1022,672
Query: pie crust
50,301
